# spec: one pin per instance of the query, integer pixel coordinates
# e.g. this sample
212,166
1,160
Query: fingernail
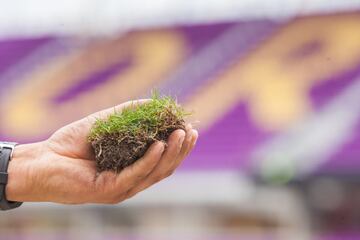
195,136
195,141
162,147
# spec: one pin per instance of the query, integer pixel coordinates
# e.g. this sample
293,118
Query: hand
62,168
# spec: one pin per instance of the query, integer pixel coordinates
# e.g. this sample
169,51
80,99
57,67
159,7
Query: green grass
145,118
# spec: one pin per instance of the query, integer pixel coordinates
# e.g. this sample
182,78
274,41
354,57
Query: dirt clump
123,138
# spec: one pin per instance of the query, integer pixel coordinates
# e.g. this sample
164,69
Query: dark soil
118,150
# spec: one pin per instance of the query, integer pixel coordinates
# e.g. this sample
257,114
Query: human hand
62,168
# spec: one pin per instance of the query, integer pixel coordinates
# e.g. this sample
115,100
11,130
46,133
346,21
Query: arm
62,168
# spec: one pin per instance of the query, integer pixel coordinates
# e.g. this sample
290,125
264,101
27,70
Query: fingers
133,174
166,164
171,159
152,168
189,144
168,160
112,187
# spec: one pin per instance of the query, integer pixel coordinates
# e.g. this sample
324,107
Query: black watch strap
6,150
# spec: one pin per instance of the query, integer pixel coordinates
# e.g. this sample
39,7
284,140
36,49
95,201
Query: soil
116,151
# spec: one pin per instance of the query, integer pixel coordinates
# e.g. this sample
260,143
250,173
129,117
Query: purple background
230,142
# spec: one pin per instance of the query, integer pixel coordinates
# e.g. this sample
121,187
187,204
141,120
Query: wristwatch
6,150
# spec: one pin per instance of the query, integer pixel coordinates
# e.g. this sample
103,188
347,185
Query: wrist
20,182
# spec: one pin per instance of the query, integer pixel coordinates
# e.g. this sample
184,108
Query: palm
71,141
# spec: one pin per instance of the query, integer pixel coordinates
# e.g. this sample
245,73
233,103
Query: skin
61,169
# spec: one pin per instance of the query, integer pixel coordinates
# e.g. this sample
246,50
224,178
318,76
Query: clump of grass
124,136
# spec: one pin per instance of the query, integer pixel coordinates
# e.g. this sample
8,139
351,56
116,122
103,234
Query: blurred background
275,91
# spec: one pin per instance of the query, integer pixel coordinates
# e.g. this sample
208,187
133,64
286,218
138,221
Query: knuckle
140,177
91,188
103,184
136,177
99,185
171,172
130,194
158,178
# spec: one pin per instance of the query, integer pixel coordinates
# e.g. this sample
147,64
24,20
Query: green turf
145,118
